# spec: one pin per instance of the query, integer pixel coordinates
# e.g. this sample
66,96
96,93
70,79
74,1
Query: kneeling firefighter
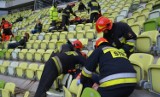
117,76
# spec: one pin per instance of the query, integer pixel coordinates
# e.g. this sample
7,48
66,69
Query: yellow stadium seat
20,70
30,71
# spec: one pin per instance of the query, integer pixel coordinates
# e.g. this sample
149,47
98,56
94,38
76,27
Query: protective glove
78,82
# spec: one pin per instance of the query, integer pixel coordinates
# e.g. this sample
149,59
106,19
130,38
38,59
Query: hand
78,82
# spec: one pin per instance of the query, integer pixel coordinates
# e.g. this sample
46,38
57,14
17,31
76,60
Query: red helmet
99,41
103,24
77,44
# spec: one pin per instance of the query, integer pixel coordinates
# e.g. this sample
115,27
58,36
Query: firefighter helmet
77,44
103,24
100,41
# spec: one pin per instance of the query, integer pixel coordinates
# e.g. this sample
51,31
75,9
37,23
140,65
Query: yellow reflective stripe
86,74
57,65
105,50
122,40
118,81
130,43
93,11
131,50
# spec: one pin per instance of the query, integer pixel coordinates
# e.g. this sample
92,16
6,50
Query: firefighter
7,33
81,6
59,63
94,10
66,15
117,76
118,34
53,14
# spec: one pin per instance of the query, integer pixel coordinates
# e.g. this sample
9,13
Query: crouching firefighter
59,63
117,76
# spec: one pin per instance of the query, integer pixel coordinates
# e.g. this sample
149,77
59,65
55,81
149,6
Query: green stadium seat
90,92
2,84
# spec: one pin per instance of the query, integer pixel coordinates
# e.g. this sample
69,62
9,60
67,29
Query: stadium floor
24,85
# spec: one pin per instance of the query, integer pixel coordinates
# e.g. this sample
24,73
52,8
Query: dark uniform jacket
111,62
67,11
94,6
121,36
81,7
67,60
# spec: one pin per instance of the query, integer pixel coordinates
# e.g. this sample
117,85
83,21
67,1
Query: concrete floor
24,85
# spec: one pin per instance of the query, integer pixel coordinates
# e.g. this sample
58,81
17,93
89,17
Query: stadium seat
2,53
79,27
12,68
71,28
55,36
149,5
145,59
84,41
67,93
75,89
15,54
153,35
119,18
4,67
2,84
44,44
150,25
20,70
63,35
47,54
36,44
71,34
143,44
39,72
8,54
47,36
154,78
38,55
30,55
89,92
52,44
26,94
59,44
29,44
21,54
90,34
34,37
80,34
30,71
131,20
138,66
9,90
136,28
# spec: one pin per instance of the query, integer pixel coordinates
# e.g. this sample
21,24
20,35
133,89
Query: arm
130,37
71,11
91,65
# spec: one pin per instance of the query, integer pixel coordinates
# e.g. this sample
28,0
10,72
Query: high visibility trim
58,64
86,73
118,81
117,76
